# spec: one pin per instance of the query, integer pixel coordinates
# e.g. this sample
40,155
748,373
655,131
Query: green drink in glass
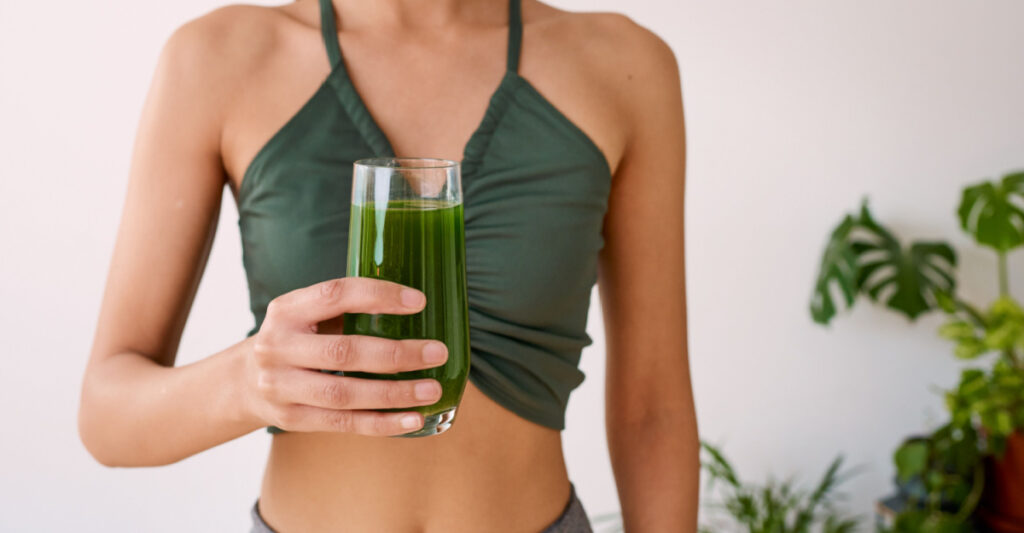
406,226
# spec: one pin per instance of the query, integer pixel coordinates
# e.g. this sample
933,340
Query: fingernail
435,353
410,421
412,298
426,391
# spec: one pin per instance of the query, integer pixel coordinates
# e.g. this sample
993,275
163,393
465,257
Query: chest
535,183
535,189
426,97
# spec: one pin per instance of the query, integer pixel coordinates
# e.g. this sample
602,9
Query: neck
398,14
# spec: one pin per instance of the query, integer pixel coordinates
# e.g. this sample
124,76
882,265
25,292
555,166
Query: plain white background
795,110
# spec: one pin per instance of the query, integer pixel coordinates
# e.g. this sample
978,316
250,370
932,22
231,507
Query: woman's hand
284,388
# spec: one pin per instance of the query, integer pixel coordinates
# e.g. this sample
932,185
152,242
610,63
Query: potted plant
973,466
775,507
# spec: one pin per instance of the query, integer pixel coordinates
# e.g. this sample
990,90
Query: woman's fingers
309,419
362,353
289,391
318,389
322,301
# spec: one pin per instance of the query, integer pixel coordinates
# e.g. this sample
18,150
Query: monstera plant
862,257
972,466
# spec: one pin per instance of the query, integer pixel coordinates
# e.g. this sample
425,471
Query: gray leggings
573,519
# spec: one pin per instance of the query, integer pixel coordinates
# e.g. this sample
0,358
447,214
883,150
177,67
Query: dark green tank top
535,191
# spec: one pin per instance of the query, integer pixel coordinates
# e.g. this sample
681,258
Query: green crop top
535,191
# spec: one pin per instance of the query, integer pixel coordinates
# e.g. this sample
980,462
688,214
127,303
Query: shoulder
610,42
209,59
225,40
631,72
223,47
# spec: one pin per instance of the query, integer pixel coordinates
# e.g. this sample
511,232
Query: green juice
419,243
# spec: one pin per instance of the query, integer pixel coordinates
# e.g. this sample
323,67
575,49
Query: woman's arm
137,409
651,425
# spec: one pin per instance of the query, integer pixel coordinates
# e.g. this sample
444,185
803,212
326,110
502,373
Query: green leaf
827,483
1005,306
718,466
912,520
839,267
961,414
1004,422
927,521
1005,330
1004,336
911,459
987,211
969,345
969,349
835,524
912,277
972,388
971,380
988,421
946,302
957,330
777,506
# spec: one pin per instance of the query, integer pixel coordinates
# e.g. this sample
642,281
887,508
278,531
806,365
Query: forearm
657,471
135,412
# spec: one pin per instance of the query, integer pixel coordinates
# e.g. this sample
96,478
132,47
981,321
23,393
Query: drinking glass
406,226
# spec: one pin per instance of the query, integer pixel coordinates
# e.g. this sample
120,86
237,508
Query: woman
573,174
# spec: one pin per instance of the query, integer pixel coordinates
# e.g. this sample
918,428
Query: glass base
434,424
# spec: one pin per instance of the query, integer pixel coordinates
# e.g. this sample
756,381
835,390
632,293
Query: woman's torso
492,471
493,467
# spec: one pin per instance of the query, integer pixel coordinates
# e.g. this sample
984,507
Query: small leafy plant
776,507
987,406
945,476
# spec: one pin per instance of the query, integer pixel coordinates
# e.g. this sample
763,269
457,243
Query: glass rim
419,163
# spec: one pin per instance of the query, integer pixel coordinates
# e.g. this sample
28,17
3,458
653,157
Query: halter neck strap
515,34
330,32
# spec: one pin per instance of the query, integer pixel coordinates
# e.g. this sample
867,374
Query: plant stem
971,502
973,314
1004,282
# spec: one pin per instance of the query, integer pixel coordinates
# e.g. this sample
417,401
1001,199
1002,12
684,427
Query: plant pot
1002,503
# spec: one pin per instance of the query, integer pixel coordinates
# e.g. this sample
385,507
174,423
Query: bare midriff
492,471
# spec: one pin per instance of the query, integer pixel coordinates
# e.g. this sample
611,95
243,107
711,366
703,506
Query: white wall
795,110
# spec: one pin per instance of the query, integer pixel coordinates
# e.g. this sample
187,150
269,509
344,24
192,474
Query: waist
491,467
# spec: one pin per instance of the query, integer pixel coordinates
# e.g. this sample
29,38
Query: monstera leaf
839,266
909,280
992,212
862,256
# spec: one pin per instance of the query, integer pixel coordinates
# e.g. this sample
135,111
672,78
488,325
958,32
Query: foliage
863,257
992,401
1001,330
925,521
987,211
838,266
776,507
986,406
915,276
945,469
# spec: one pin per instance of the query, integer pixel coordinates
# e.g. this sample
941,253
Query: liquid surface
421,244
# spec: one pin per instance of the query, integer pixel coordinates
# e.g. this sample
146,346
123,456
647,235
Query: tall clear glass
406,226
